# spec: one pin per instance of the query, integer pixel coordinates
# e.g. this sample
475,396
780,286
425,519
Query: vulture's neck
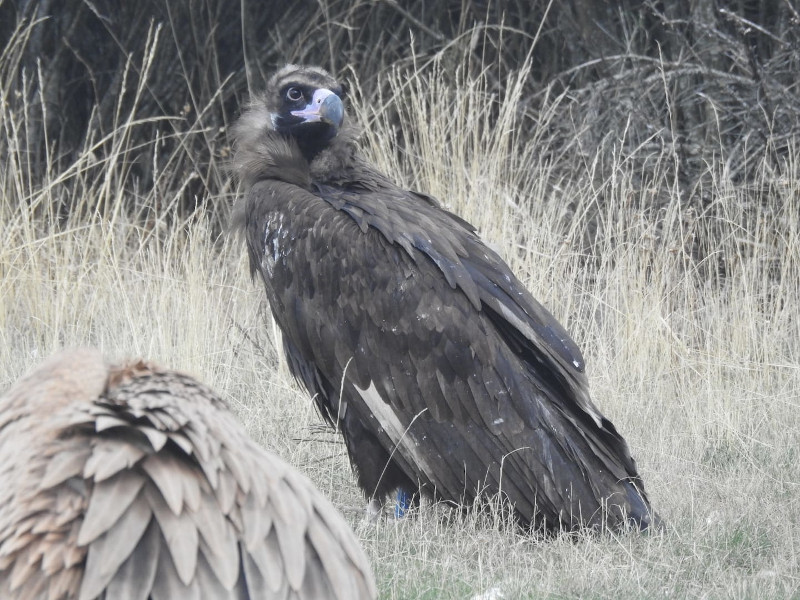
334,164
270,155
263,155
340,164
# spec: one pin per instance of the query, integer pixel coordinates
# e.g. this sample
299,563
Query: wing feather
211,587
112,549
64,465
270,562
256,522
134,579
109,457
339,574
223,559
168,473
262,573
290,523
109,500
168,584
179,531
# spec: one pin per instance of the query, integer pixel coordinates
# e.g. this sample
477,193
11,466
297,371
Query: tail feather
641,515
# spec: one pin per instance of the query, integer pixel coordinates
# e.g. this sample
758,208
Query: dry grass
690,324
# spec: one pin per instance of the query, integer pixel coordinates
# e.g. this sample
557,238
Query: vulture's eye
294,94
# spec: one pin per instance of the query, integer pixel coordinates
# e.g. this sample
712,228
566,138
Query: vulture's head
305,107
305,103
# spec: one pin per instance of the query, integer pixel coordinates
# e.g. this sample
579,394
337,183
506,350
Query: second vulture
444,375
135,482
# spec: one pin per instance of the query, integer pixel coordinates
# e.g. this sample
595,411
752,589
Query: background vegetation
638,167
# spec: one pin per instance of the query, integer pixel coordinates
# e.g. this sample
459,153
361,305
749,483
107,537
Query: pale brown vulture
444,375
134,482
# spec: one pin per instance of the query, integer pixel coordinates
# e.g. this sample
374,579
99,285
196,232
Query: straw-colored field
699,371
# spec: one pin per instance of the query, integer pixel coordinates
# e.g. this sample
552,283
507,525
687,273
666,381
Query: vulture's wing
138,483
465,378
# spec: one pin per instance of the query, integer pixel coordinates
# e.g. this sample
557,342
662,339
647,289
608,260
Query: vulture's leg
406,500
377,473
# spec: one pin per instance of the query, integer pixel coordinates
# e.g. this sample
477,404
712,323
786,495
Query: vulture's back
136,482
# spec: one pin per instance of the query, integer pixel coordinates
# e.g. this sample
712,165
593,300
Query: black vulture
133,482
414,338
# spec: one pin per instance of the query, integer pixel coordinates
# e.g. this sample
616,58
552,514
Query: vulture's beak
325,107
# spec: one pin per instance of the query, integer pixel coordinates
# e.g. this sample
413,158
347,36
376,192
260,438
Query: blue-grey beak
325,107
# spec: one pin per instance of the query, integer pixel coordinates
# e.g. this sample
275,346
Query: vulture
446,378
134,482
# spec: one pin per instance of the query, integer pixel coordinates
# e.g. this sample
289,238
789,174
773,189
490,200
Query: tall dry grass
690,323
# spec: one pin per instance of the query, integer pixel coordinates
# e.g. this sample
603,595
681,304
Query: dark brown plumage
133,482
453,379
